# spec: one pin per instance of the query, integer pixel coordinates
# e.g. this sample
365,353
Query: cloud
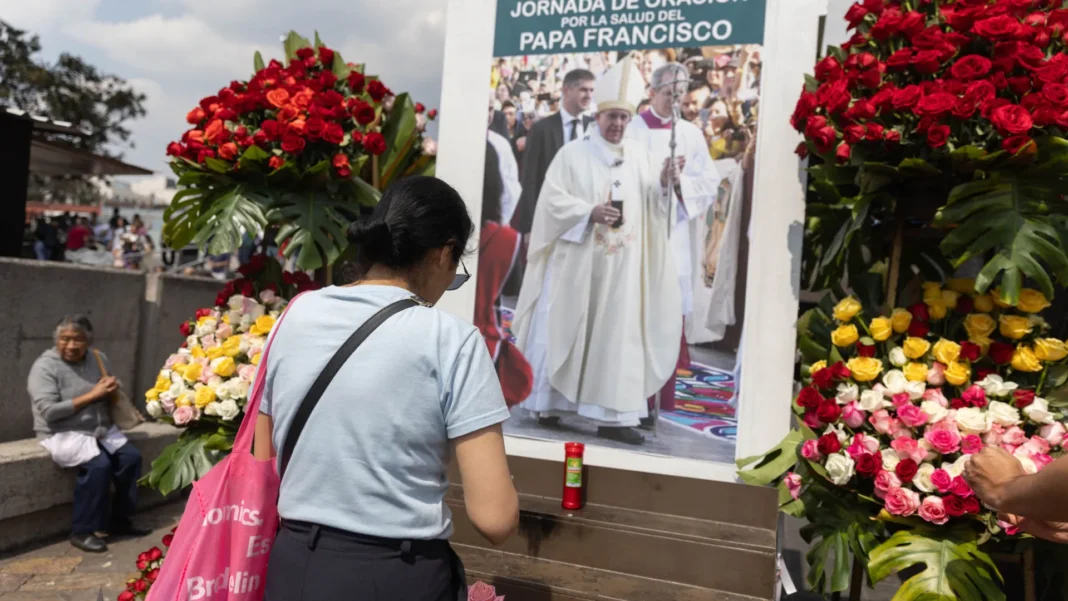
39,15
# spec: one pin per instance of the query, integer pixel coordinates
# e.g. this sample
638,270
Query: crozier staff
598,313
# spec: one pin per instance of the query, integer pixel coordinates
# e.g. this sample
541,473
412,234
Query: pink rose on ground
899,399
793,484
933,510
810,450
942,480
184,415
246,372
936,375
885,481
935,394
1008,528
993,437
908,448
944,439
1014,436
974,396
224,331
480,591
1053,433
971,444
882,422
960,488
853,416
912,416
901,501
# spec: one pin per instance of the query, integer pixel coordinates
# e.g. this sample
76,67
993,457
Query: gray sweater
54,384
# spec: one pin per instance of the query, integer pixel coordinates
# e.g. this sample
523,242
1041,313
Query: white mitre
621,87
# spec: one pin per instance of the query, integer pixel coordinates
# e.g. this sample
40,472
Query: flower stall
306,146
937,219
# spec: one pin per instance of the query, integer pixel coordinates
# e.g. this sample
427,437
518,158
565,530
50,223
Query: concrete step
523,578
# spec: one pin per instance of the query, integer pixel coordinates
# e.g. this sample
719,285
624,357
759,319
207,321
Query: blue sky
177,51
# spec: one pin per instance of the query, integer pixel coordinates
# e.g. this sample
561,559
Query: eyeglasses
461,278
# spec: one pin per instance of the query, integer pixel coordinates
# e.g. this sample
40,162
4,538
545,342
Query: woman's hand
104,387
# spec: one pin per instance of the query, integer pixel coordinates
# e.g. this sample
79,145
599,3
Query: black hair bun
373,239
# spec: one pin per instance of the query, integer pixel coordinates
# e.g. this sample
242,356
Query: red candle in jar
572,498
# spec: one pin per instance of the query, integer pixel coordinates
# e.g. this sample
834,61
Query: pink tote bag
224,539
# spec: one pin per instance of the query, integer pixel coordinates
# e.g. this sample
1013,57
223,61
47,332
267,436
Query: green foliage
401,137
185,461
313,226
772,465
953,566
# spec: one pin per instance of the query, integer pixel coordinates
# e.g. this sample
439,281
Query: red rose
823,379
965,108
965,306
220,300
829,444
840,371
433,114
824,138
960,19
276,162
971,67
1023,398
154,553
867,465
127,596
809,398
363,113
326,56
861,110
272,129
829,69
356,82
957,404
853,133
167,538
954,506
205,154
900,59
834,96
971,506
1002,27
175,149
937,136
829,411
936,105
305,53
1045,116
913,23
1051,73
1012,119
1056,94
377,90
333,134
855,15
195,116
927,61
802,150
341,164
889,23
970,350
140,585
1043,37
228,151
419,108
1015,144
865,350
152,575
875,132
1001,352
918,329
374,143
292,144
313,128
806,105
919,311
906,470
1020,85
871,78
907,97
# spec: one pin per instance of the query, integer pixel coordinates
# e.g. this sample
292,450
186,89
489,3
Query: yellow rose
995,295
232,346
162,383
204,396
215,352
223,366
197,352
264,323
845,335
256,358
937,309
916,372
1014,326
203,318
979,325
946,351
901,320
950,298
847,309
958,373
915,347
815,367
1032,301
1050,349
984,303
961,285
226,319
932,291
152,394
1024,359
865,369
881,329
192,372
184,401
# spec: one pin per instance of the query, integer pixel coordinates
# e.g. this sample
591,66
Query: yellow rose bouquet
204,386
891,406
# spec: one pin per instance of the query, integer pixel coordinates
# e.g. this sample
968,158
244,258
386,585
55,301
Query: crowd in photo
116,242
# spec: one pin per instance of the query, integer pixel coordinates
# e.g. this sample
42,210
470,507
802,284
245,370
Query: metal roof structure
57,159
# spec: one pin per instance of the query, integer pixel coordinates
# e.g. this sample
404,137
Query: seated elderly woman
71,417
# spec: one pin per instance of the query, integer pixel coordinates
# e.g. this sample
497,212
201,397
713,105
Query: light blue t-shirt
373,456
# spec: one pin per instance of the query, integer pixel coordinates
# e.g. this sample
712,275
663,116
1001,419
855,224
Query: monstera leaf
953,566
772,465
313,225
1012,214
401,137
837,533
221,226
181,463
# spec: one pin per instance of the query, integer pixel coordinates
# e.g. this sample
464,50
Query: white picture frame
767,352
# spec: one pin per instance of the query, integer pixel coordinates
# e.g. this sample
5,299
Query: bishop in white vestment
598,313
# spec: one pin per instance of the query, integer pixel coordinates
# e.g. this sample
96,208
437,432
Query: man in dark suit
547,137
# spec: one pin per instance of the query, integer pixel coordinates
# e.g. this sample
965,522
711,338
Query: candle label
574,472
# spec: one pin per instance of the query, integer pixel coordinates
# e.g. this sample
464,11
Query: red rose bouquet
303,144
951,113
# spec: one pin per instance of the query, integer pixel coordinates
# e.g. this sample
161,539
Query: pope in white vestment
598,313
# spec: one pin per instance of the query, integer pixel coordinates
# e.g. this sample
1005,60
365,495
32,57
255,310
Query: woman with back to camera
361,501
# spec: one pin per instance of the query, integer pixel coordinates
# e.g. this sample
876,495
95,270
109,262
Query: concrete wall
135,317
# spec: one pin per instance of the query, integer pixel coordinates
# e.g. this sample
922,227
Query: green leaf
318,43
366,194
314,226
772,465
181,216
180,464
918,166
219,227
294,42
967,153
219,442
257,62
340,67
252,155
954,567
217,165
811,83
401,135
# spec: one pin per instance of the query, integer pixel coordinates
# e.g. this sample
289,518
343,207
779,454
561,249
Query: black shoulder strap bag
459,577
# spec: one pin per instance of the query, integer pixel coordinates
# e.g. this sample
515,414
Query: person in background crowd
47,240
138,227
725,138
508,169
362,498
79,235
695,102
1035,503
70,399
115,217
101,231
